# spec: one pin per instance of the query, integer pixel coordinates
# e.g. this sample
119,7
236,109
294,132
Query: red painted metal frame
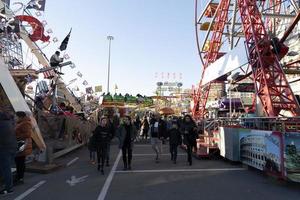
201,95
274,5
271,85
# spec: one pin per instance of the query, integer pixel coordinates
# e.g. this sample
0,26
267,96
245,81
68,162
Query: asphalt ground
205,179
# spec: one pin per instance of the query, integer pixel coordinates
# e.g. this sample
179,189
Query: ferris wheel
251,38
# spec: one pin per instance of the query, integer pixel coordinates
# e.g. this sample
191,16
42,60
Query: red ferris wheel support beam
200,98
270,82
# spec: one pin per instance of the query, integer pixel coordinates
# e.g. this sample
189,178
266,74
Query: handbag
21,145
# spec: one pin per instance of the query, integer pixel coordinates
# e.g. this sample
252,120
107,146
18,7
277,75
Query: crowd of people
15,144
176,131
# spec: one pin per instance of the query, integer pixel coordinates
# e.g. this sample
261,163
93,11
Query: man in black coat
8,147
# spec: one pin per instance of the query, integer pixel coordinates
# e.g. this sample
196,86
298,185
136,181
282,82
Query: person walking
8,147
102,137
174,140
126,134
23,132
145,128
92,147
156,137
189,131
112,130
162,129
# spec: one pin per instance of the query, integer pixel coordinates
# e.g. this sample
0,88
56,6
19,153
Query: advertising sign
262,150
292,156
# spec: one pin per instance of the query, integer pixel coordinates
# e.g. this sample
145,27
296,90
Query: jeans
20,165
107,152
156,146
93,155
5,168
173,151
127,150
189,153
101,155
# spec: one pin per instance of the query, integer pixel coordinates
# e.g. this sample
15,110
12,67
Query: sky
150,37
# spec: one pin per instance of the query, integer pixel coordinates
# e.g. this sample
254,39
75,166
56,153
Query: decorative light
44,22
55,39
49,31
66,56
38,13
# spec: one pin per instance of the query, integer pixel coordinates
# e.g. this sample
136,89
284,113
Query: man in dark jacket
8,147
102,136
126,135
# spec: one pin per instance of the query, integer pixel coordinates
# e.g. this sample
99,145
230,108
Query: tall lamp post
110,38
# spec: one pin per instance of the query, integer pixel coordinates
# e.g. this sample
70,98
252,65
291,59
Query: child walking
174,140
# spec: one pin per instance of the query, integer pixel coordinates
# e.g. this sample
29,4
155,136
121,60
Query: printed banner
98,88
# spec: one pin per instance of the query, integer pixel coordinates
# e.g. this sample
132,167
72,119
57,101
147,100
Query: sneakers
5,192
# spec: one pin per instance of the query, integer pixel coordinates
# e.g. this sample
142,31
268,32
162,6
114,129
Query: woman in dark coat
189,131
102,136
23,132
126,135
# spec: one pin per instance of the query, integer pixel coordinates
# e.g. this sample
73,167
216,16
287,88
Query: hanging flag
85,82
36,4
89,90
98,88
72,81
64,43
79,74
7,2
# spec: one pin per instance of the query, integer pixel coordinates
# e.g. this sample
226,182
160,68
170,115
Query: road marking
72,161
153,154
73,180
109,178
26,193
182,170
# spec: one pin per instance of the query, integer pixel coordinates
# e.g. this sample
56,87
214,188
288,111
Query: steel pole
110,38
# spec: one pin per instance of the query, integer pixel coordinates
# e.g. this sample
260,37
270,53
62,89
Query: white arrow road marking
73,181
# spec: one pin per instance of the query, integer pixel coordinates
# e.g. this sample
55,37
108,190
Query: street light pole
110,38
